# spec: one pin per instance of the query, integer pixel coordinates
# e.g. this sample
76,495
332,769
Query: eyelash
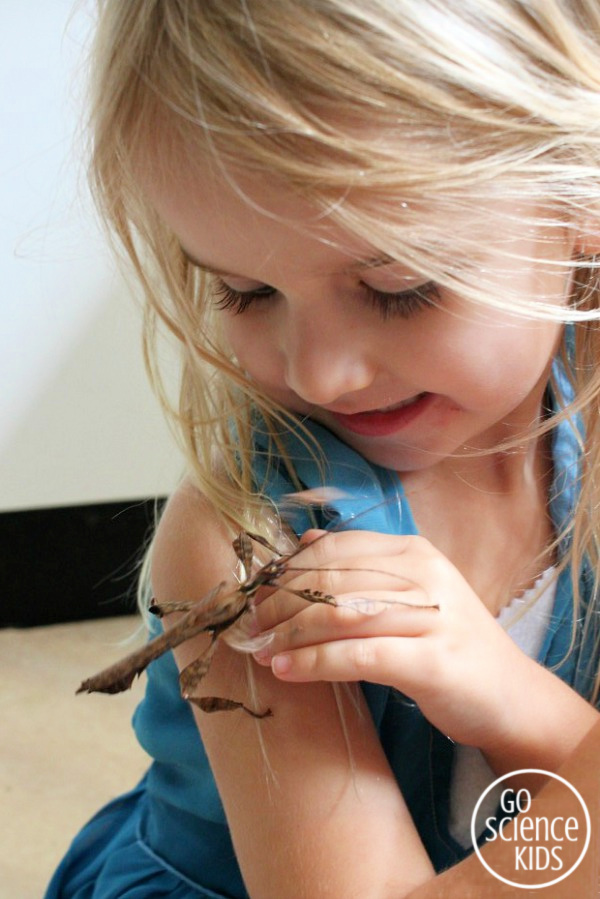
237,301
404,303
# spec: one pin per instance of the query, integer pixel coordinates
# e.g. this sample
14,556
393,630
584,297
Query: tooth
399,405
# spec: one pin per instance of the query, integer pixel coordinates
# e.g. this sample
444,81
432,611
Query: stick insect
213,614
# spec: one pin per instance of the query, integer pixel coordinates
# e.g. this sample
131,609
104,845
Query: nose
326,358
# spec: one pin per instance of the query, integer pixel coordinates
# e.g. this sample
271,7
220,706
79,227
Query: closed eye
237,301
403,303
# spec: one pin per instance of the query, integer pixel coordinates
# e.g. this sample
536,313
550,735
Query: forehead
235,215
241,221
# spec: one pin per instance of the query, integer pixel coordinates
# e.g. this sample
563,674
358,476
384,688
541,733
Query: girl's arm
470,878
313,807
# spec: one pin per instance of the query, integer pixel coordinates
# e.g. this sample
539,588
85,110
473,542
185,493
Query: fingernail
281,664
251,624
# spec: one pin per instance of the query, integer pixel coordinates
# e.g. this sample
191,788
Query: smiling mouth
386,420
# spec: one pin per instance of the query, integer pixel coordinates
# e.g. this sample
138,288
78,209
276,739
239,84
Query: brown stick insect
213,614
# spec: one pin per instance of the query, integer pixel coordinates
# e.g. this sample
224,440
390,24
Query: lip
381,422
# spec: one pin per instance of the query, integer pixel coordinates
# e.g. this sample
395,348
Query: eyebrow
375,262
203,265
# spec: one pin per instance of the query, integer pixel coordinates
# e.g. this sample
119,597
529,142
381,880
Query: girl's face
406,373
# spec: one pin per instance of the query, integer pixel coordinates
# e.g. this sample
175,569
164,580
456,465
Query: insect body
214,614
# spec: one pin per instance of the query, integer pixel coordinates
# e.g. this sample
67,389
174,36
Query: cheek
251,345
503,363
234,333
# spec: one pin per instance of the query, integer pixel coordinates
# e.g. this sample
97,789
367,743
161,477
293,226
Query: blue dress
169,836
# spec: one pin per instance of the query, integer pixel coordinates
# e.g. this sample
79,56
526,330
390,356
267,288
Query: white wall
78,422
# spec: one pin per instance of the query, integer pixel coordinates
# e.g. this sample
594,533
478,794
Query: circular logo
535,844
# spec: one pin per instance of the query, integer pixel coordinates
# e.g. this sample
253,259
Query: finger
361,575
351,551
311,535
328,588
380,614
280,606
340,547
392,661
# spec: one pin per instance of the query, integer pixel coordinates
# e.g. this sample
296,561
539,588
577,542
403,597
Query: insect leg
242,546
167,608
312,595
217,704
191,676
262,541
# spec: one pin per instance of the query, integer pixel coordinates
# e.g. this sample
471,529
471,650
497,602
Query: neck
509,458
488,514
503,472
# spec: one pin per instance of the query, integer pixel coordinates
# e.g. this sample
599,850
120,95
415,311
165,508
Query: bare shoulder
192,548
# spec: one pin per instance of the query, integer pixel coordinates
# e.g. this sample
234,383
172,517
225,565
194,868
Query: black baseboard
72,563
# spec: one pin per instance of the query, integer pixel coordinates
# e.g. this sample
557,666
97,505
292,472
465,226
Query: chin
400,459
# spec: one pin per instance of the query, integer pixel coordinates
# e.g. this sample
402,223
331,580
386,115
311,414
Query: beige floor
61,755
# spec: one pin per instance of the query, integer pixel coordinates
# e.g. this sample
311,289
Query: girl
373,229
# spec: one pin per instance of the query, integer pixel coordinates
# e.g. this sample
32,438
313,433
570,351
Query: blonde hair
371,111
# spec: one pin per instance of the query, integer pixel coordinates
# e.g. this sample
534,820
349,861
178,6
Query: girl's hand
405,617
